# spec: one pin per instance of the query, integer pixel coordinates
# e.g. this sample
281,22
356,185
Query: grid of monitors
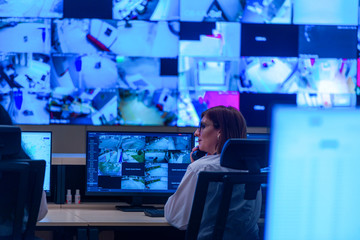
163,62
37,145
130,163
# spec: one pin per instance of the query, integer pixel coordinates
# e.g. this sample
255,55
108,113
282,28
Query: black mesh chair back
218,193
35,187
30,185
14,190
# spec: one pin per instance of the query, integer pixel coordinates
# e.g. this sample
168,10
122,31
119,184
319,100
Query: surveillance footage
31,8
163,62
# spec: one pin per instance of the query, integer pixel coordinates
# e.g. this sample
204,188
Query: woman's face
207,135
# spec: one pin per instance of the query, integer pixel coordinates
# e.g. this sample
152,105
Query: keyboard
133,208
154,212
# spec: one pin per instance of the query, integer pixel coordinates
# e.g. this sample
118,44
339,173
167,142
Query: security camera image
250,11
25,87
155,10
110,141
155,156
109,162
84,71
31,8
220,39
83,106
267,75
133,38
208,74
133,156
335,12
25,70
326,100
133,142
133,182
164,143
25,35
296,75
156,169
220,10
167,143
147,96
156,183
177,156
204,83
146,108
273,11
337,76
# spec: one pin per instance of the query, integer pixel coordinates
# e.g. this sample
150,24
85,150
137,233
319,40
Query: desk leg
93,234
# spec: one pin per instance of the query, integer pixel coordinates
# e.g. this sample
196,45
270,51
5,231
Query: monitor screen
32,8
192,104
89,8
257,11
328,41
276,40
209,39
136,163
314,171
146,10
256,108
37,145
333,12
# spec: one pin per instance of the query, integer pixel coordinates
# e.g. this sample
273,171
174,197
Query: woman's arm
43,207
178,207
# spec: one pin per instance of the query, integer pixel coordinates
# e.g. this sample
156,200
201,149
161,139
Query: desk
88,220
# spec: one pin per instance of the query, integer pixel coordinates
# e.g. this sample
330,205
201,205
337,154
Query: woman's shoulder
210,163
206,163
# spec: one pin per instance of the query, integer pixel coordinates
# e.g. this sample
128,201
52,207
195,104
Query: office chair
30,185
13,177
217,193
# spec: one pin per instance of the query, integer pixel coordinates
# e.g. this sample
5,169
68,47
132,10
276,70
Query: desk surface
99,214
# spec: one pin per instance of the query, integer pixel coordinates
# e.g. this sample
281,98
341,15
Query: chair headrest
245,154
10,140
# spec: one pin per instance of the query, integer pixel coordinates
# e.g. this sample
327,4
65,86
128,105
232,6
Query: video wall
163,62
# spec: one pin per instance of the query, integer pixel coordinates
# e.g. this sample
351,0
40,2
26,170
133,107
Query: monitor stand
135,206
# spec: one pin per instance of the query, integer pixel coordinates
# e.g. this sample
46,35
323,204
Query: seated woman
218,124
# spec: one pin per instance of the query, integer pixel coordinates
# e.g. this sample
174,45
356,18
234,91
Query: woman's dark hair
5,118
229,121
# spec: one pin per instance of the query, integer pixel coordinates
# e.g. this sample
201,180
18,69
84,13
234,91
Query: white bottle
68,197
77,196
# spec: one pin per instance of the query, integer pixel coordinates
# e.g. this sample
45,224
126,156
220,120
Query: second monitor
136,163
37,145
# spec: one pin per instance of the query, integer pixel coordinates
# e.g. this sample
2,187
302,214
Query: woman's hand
192,151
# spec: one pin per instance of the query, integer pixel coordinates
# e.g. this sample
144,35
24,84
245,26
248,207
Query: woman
218,124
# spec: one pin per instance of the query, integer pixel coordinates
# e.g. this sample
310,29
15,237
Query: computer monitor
37,145
136,164
314,174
